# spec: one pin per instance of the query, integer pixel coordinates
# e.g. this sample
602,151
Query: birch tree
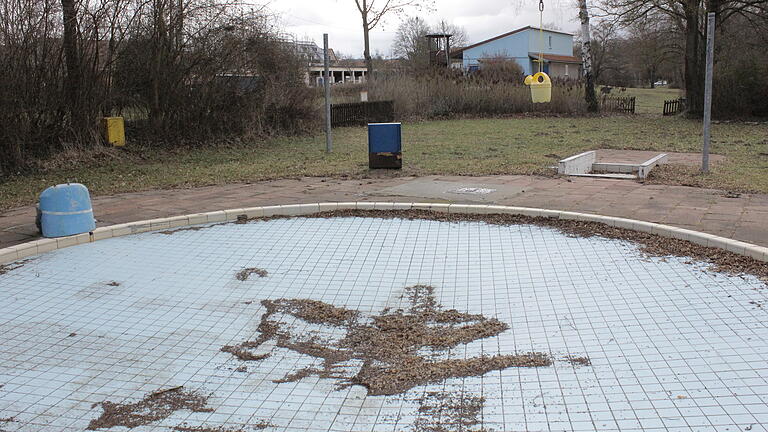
586,58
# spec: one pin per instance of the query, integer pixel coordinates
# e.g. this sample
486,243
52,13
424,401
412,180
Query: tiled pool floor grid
672,347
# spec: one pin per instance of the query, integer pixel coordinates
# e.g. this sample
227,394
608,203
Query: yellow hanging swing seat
541,87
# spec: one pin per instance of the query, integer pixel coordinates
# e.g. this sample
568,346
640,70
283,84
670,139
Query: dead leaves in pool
398,349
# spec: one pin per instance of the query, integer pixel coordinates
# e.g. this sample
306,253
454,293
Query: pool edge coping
25,250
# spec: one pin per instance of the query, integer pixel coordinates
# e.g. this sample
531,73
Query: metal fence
362,113
619,104
672,107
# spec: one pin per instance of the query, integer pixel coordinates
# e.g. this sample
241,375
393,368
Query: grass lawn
463,147
649,101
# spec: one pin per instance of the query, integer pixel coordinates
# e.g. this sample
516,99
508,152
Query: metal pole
708,91
327,84
448,52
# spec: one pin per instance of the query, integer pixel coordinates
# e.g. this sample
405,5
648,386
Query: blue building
523,46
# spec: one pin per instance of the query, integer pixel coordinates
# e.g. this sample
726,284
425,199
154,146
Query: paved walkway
744,217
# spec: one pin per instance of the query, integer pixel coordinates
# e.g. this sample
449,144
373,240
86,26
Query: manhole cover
363,324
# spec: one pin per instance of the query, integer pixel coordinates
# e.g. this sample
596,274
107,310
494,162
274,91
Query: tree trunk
72,57
159,35
694,62
586,56
367,42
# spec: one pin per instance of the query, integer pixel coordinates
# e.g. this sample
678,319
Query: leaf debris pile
245,273
389,345
153,407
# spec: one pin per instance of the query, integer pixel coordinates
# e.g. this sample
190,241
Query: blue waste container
65,209
385,145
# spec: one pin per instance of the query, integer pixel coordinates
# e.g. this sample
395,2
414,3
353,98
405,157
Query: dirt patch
242,352
390,345
579,361
5,268
263,424
155,406
683,175
450,412
650,244
244,274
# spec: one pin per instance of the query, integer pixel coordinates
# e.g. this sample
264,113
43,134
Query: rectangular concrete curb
757,252
325,207
645,168
296,209
47,245
197,219
232,214
466,209
102,233
8,255
577,164
268,211
253,212
346,206
63,242
26,250
383,206
217,216
121,230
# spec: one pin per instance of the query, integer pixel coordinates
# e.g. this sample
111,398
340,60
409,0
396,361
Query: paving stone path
743,217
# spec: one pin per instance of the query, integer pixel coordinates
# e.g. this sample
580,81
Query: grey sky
482,19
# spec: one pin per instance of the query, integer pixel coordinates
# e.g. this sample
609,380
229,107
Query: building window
550,42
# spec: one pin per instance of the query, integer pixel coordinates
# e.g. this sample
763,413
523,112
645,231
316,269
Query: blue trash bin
65,209
385,145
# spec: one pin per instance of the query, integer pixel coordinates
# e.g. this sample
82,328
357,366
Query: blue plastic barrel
65,209
385,145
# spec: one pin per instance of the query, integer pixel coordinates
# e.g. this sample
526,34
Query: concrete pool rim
25,250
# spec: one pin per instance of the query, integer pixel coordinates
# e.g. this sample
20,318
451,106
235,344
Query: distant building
523,46
342,71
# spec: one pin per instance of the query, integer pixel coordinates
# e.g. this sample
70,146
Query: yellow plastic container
114,130
541,87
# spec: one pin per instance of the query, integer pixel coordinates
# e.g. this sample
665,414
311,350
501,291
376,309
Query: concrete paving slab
466,191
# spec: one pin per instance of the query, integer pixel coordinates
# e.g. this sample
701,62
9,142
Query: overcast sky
482,19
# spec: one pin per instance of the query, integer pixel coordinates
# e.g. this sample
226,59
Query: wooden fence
619,104
674,106
362,113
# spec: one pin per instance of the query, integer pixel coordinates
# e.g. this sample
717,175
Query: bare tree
586,56
651,43
411,44
459,36
372,12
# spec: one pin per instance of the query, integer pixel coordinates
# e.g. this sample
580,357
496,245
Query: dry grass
428,98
